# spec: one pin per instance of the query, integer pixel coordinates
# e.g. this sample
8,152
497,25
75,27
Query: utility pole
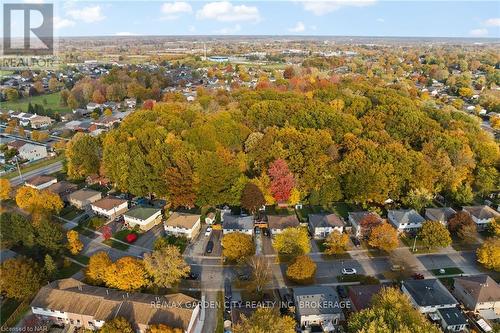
19,170
415,243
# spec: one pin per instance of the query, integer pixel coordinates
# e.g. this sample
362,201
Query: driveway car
348,271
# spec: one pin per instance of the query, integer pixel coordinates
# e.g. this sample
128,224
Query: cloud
492,22
324,7
60,23
192,28
125,33
173,9
88,14
479,32
229,30
226,12
299,27
381,20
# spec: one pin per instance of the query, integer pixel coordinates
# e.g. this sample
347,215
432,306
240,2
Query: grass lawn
70,212
33,166
9,305
461,246
80,258
52,103
418,245
447,271
349,278
180,242
120,235
69,271
81,230
275,210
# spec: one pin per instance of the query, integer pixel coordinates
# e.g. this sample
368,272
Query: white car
348,271
209,230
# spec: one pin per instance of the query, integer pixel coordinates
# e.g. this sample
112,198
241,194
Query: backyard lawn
120,235
52,103
447,271
9,305
68,271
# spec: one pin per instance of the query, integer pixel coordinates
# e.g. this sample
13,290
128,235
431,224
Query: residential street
45,170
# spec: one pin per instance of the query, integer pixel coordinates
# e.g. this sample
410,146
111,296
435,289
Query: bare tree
261,273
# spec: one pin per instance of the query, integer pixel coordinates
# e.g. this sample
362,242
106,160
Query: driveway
267,245
216,237
148,238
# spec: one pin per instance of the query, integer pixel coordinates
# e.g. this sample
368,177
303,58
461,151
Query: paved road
48,169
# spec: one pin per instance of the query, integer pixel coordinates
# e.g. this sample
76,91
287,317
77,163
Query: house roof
236,222
361,295
16,144
452,316
282,221
404,216
40,180
72,296
142,213
109,203
325,220
182,220
481,212
318,298
439,214
481,288
429,292
61,187
357,217
84,194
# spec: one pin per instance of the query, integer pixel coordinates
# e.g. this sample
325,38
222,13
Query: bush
130,238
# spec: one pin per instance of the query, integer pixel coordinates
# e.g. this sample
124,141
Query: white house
41,182
452,319
236,223
144,217
480,294
428,295
110,207
183,224
405,220
317,306
278,223
481,215
321,225
28,151
82,199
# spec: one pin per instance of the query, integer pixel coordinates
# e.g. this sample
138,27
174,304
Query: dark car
192,276
210,247
342,291
356,241
418,276
266,232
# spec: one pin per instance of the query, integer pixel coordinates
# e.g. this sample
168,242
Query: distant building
28,151
63,189
41,182
278,223
82,199
321,225
405,220
37,122
481,215
183,224
110,207
71,302
428,295
143,217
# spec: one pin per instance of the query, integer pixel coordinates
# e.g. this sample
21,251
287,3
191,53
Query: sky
295,17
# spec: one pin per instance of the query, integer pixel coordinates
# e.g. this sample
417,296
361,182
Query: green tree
83,155
49,266
50,236
166,266
390,311
292,242
434,234
237,246
16,229
21,278
265,320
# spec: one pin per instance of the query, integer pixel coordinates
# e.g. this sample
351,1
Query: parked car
342,291
210,247
356,241
348,271
417,276
397,268
208,232
257,231
192,276
266,232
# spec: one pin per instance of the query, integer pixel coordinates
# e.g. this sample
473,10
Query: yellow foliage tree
489,254
336,243
127,273
74,243
294,197
38,203
237,246
97,267
161,328
302,270
384,237
4,189
292,242
265,320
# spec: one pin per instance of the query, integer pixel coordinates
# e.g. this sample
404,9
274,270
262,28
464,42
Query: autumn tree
434,234
302,270
237,246
127,273
467,233
166,266
97,97
83,156
367,223
390,311
489,253
50,236
49,266
384,237
252,198
75,245
292,242
458,220
4,189
162,328
282,180
261,273
336,243
181,183
38,203
265,320
21,278
117,325
97,268
16,229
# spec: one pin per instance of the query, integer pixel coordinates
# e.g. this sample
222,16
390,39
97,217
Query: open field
52,103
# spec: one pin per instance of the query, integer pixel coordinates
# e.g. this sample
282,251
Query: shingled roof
481,288
325,220
429,292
